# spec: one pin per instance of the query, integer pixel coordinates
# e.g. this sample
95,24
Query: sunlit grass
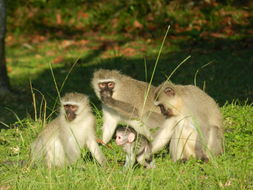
30,55
233,169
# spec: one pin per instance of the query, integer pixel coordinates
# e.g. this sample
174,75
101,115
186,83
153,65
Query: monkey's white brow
106,80
70,103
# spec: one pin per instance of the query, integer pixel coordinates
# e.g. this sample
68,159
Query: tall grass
233,170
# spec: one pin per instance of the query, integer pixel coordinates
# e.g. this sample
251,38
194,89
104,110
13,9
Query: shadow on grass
227,78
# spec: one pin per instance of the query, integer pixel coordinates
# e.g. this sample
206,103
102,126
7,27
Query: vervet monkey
193,122
61,140
126,100
135,145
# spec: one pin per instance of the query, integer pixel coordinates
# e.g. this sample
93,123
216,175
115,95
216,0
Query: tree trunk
4,80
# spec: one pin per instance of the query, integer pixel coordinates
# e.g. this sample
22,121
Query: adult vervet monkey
61,140
193,125
126,100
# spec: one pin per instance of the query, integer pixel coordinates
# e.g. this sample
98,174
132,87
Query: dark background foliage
126,35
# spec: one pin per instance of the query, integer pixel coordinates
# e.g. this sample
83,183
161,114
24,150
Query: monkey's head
125,135
167,97
106,88
72,104
105,82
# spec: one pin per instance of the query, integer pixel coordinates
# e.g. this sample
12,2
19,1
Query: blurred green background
125,35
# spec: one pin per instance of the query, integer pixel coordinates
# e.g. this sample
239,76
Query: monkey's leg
37,150
95,151
72,150
109,125
214,142
130,160
145,159
141,160
164,134
183,142
55,155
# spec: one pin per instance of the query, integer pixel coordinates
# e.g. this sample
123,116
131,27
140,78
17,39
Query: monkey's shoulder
52,126
141,140
195,91
139,84
198,95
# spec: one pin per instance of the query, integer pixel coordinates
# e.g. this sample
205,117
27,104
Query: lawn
52,59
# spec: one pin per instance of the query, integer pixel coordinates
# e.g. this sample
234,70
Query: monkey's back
142,144
202,105
47,146
136,94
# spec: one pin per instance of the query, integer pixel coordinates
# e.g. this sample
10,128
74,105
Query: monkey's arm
153,119
95,151
164,134
145,157
123,108
130,160
110,122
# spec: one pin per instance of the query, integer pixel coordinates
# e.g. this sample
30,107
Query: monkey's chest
76,137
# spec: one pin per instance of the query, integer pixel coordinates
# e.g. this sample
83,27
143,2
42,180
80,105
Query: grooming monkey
135,145
126,100
61,140
193,125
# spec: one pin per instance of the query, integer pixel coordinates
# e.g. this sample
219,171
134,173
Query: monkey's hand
100,141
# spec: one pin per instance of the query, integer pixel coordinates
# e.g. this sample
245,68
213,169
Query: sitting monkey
60,142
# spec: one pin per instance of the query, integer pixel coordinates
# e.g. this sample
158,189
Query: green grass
228,78
35,42
232,170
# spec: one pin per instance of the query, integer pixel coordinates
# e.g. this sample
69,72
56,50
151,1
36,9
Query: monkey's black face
157,102
70,111
167,112
106,89
164,111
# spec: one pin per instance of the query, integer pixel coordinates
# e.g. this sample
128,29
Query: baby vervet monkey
136,146
60,141
193,122
126,100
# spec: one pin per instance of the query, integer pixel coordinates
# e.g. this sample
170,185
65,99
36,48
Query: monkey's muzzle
166,112
106,94
70,115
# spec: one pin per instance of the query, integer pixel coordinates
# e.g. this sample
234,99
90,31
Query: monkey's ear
131,137
169,91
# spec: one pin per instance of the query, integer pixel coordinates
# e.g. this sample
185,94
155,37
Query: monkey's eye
169,91
101,85
73,107
111,84
70,107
